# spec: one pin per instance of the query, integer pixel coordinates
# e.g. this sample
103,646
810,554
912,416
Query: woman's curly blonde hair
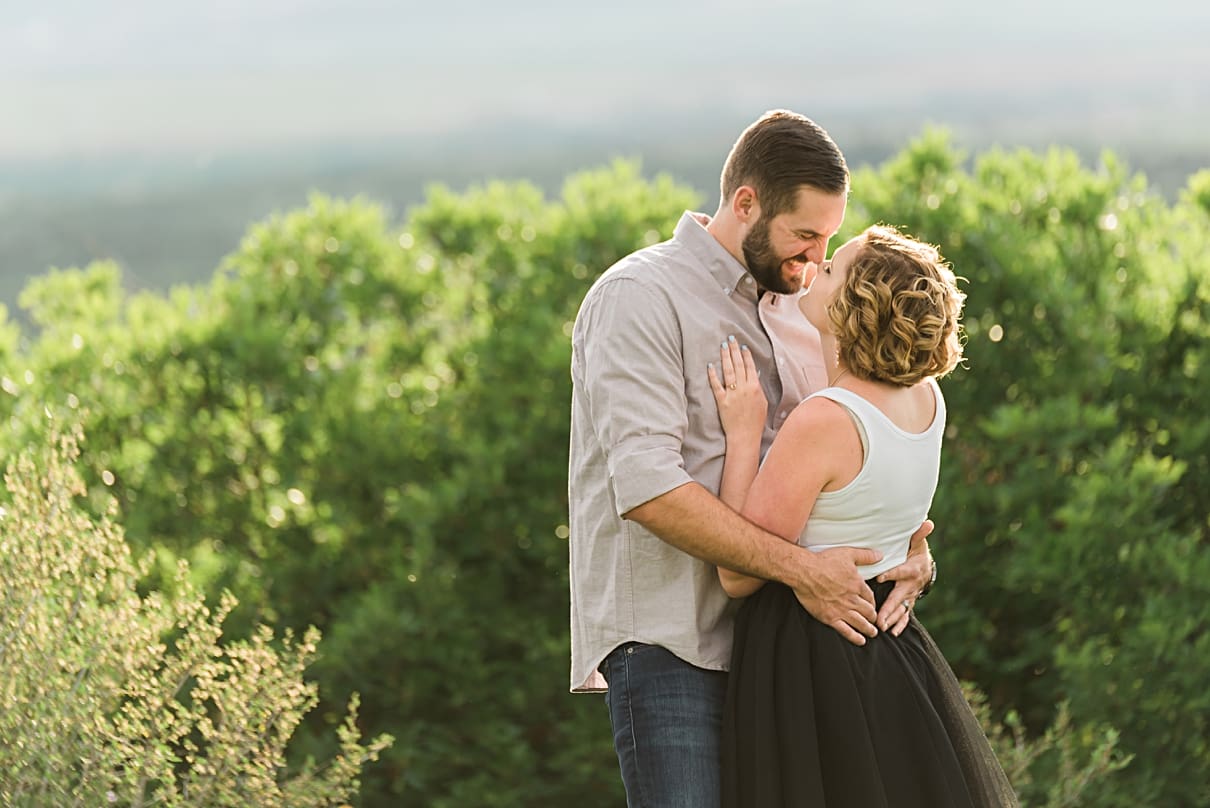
896,316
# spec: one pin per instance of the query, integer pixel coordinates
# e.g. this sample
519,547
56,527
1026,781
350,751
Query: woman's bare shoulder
817,419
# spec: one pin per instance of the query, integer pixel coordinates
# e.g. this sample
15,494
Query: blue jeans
667,718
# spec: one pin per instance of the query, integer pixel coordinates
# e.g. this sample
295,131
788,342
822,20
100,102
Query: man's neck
725,230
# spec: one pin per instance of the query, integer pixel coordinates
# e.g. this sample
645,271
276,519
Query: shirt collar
730,275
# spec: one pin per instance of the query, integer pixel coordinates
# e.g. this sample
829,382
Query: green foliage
108,697
1073,535
9,335
365,429
352,428
1056,768
1197,190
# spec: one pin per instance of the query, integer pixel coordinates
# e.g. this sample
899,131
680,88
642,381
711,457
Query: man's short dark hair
779,154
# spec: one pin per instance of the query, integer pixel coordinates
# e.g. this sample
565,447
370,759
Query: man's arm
827,583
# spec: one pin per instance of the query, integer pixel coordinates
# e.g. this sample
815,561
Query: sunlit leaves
108,696
363,426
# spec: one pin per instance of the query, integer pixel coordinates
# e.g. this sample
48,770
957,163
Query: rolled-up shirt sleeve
628,363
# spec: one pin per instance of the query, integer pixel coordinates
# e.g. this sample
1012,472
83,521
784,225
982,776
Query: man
649,619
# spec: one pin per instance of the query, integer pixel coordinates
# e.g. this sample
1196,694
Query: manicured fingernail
731,338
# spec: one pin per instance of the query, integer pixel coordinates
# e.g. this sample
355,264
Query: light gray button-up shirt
644,421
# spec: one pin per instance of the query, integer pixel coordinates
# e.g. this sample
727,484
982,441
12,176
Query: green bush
363,428
1056,768
1073,529
111,697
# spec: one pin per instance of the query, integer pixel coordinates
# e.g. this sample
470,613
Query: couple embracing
751,471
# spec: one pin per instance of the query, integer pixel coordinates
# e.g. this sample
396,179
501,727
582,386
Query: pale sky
84,77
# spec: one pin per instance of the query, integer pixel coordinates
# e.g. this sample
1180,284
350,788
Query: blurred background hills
155,133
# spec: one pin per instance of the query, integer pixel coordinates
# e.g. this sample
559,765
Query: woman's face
827,283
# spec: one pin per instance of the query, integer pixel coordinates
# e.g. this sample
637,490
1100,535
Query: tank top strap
858,406
869,416
939,415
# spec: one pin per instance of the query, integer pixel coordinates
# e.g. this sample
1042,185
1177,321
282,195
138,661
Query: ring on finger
731,386
907,607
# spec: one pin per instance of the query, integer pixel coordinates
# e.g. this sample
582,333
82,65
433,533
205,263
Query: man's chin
788,285
779,282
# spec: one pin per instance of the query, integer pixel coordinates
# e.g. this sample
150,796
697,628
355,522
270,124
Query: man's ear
745,207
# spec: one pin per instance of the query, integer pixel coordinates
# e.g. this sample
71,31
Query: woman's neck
831,360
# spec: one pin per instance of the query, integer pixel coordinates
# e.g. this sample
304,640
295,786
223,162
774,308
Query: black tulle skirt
814,721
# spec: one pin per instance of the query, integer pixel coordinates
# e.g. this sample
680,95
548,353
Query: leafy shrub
363,428
111,697
1056,768
1073,534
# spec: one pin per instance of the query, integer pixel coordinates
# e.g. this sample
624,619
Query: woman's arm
742,408
813,446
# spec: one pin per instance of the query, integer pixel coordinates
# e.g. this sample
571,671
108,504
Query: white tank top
891,495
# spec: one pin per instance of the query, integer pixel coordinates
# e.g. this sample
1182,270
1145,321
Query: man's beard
763,263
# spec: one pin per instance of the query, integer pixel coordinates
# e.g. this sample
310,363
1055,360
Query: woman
812,720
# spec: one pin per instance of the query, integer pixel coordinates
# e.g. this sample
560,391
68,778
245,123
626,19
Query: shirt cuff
643,475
